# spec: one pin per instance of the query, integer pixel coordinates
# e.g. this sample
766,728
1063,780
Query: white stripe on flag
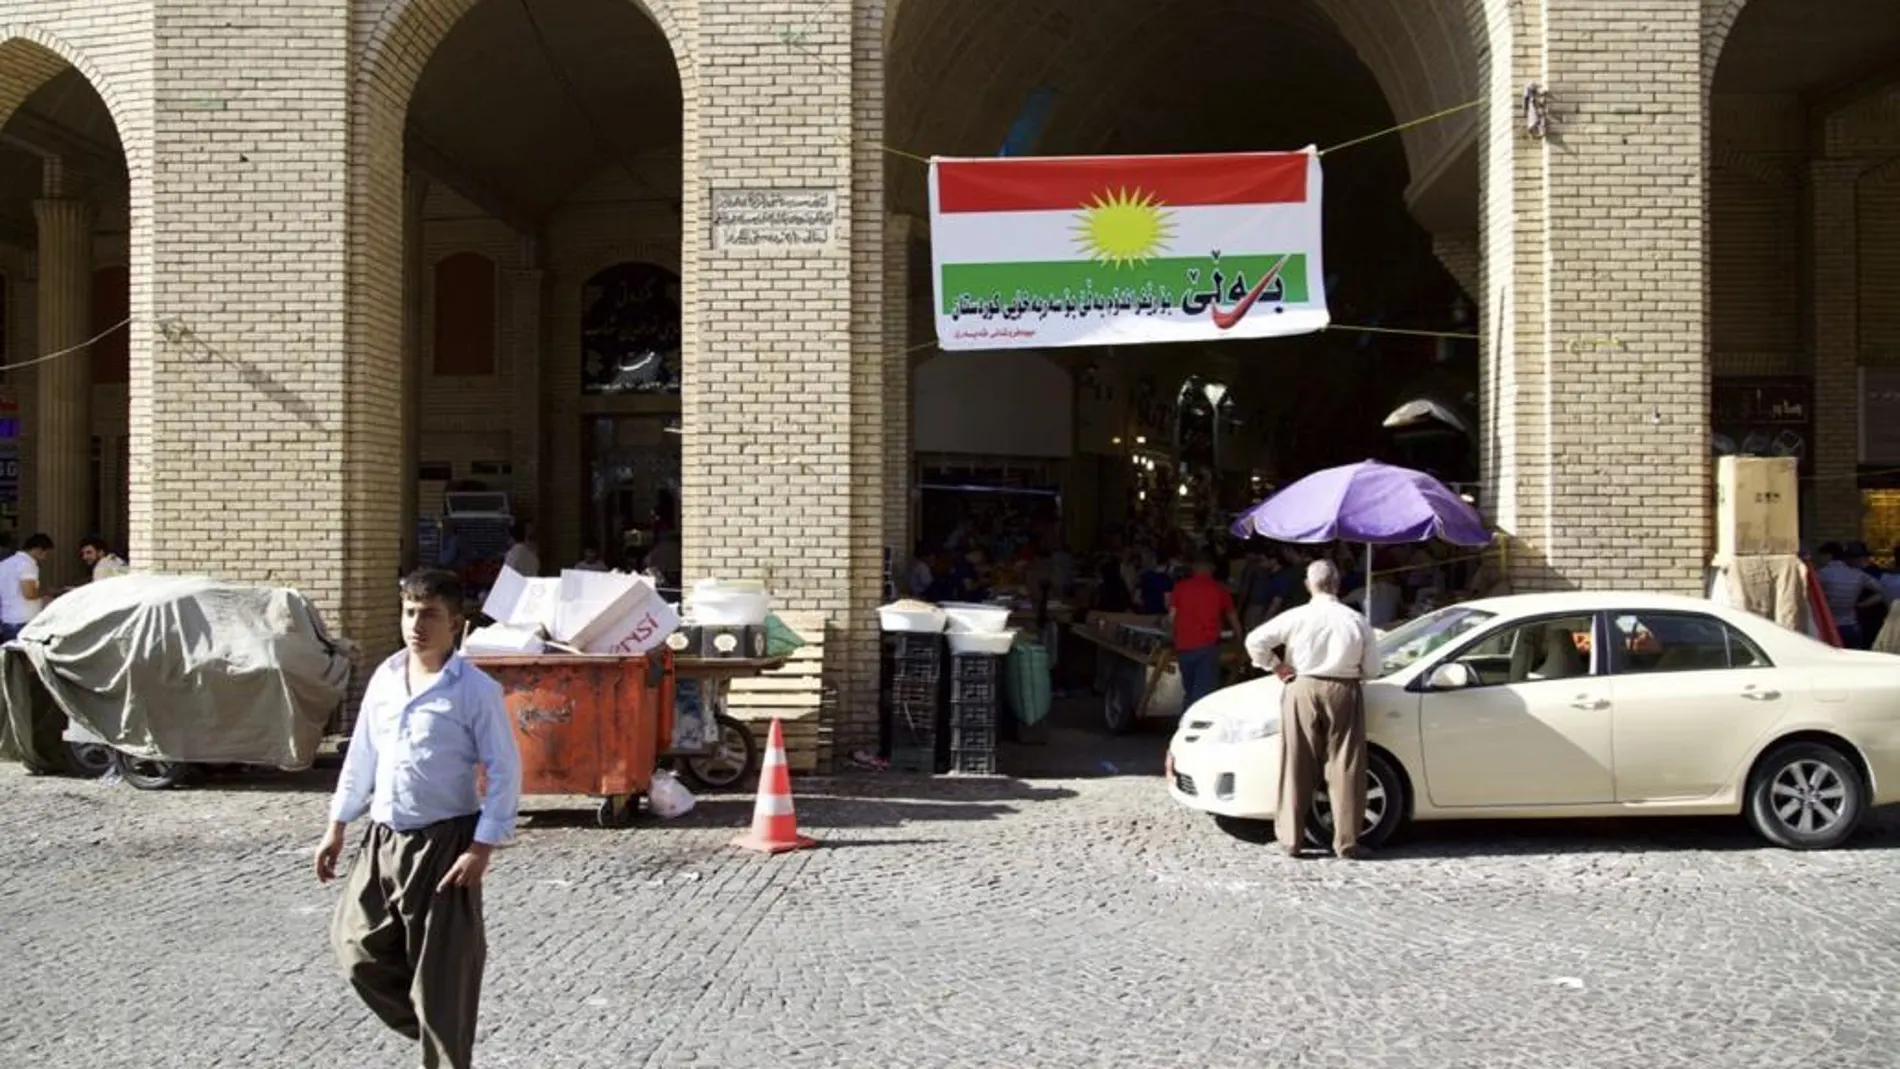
1037,237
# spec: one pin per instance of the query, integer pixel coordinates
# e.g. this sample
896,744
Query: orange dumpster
587,724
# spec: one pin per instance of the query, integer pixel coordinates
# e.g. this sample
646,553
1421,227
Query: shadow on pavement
1623,835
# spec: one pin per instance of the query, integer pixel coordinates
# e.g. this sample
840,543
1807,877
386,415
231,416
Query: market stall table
1135,667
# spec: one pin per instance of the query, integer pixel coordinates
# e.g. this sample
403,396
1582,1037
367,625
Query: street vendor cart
1135,670
714,749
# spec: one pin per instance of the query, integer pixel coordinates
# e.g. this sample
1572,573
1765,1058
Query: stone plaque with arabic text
774,218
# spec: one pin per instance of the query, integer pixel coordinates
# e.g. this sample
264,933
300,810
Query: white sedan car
1584,705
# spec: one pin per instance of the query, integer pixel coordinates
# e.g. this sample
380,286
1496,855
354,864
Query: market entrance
65,298
1064,474
543,143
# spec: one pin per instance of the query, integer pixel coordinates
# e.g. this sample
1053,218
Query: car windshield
1402,648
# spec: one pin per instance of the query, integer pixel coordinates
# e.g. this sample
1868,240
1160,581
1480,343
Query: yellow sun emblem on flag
1123,227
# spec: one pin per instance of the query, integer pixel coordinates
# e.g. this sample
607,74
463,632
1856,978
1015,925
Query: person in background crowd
1330,653
408,929
1111,594
20,596
590,557
1871,616
1151,589
522,556
918,577
99,558
1197,607
1847,590
1890,579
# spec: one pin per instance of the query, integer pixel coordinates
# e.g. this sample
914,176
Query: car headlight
1235,729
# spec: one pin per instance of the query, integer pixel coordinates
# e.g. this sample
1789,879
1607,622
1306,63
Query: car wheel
90,759
1806,796
1123,699
1385,807
724,768
152,775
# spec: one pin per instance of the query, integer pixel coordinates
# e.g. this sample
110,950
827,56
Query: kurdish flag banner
1125,250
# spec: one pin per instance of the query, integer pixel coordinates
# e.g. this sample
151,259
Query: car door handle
1754,695
1590,706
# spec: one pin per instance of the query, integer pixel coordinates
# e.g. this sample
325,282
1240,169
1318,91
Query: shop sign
774,218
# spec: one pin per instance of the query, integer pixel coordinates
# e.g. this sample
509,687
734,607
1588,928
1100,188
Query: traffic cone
774,825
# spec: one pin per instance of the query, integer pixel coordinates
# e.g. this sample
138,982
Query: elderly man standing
1331,651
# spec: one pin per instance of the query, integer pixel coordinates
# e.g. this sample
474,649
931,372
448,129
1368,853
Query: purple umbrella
1368,502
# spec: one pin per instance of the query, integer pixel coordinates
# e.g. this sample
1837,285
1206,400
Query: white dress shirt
412,760
1322,638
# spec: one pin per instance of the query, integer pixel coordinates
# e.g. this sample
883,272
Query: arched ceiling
1182,76
517,113
64,118
1810,47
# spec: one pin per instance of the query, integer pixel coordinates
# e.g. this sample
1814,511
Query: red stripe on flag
1060,184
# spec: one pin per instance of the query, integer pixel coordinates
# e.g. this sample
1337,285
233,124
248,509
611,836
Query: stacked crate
975,693
912,699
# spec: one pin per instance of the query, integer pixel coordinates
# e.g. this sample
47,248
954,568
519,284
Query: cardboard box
718,641
594,604
521,602
1757,506
503,639
642,628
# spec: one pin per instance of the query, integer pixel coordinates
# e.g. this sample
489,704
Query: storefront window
630,331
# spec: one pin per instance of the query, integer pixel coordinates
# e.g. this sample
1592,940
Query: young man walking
408,931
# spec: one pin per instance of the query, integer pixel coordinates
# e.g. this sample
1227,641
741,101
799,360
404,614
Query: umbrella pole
1369,583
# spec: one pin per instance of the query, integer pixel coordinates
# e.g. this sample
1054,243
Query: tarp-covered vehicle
167,672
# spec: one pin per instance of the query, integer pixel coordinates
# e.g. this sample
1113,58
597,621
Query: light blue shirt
412,760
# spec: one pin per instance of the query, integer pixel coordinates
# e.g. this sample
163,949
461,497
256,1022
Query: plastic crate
973,762
911,692
973,691
904,645
975,667
973,714
973,738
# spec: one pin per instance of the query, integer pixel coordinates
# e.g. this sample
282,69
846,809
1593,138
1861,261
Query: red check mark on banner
1224,319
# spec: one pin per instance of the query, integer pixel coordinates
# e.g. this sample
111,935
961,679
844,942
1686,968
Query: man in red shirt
1197,607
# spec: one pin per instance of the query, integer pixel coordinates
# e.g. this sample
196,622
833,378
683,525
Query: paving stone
952,924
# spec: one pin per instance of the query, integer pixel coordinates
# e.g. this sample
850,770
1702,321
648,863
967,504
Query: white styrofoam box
643,627
592,603
1757,506
519,601
501,638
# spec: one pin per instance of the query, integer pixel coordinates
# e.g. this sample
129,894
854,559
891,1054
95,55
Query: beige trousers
415,956
1323,730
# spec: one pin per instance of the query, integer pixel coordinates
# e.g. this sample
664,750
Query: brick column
783,334
415,193
525,288
1595,372
267,440
62,461
897,436
1834,334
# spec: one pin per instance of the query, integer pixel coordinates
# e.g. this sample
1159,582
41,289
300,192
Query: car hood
1247,709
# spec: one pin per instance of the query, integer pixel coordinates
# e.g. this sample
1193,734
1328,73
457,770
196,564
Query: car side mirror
1453,676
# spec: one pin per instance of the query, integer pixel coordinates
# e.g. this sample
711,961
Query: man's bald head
1322,577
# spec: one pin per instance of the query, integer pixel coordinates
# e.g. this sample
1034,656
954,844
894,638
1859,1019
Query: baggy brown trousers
415,956
1323,728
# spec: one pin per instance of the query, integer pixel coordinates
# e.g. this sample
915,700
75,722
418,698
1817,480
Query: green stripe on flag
1170,279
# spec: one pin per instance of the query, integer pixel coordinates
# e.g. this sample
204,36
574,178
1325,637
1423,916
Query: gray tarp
176,668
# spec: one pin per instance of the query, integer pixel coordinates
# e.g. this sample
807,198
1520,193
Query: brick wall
1598,380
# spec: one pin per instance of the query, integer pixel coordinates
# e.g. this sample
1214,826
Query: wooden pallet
795,694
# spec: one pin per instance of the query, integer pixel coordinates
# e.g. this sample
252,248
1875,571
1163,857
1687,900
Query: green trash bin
1026,690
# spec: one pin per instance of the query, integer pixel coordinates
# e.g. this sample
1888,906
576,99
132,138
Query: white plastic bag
668,797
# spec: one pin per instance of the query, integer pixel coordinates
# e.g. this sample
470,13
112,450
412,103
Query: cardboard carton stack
1757,564
577,612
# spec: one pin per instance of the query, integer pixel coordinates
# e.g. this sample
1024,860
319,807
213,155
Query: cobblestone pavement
1081,921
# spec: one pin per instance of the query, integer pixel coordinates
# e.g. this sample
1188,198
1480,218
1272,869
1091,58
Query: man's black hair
38,540
94,542
434,584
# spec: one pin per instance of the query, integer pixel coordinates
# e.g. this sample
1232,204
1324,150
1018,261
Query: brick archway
392,44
